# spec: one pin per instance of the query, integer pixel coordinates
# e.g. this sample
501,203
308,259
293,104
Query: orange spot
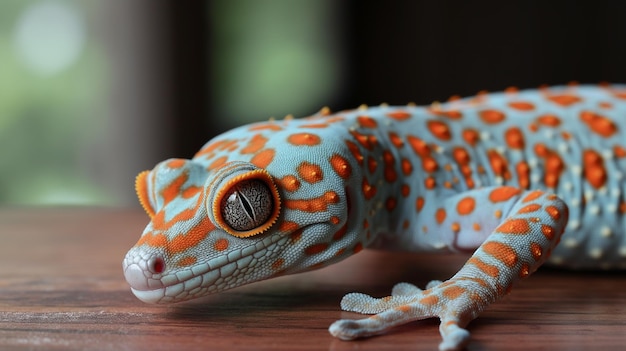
289,183
594,170
172,190
439,129
466,206
429,164
533,196
191,191
366,122
598,124
354,150
216,145
152,240
316,248
553,163
220,244
288,226
430,183
515,226
524,270
619,151
471,136
304,139
536,250
357,248
257,142
296,236
391,203
263,158
335,220
455,227
191,238
371,164
265,126
405,190
314,125
311,173
407,167
177,163
529,208
549,120
488,269
499,164
429,300
547,231
419,203
404,308
315,204
367,141
368,190
523,174
341,166
278,264
399,115
564,99
502,252
461,155
418,145
390,174
341,232
514,138
395,139
553,212
186,261
491,116
218,162
440,215
522,105
406,224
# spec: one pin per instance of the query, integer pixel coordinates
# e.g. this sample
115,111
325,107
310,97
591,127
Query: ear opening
143,193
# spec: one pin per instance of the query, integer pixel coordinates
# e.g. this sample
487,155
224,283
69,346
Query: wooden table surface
61,288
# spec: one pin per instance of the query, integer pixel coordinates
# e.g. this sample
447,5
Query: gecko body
496,174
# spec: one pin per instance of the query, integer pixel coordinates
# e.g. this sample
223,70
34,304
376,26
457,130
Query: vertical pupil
246,205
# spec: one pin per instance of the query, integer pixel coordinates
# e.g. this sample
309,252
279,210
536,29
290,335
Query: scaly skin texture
495,174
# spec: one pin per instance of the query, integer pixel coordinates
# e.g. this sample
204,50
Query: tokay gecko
519,178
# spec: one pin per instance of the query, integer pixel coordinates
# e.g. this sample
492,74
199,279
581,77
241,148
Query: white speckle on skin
573,224
570,243
606,232
595,253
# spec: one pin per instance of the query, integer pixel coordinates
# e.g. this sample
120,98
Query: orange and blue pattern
497,174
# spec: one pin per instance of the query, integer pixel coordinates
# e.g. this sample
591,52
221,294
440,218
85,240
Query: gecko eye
246,204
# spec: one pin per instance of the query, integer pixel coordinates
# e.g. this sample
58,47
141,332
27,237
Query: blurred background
94,91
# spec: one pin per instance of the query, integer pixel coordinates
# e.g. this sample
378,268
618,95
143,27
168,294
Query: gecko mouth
181,286
149,284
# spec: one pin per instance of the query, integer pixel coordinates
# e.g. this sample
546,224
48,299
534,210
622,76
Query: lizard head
218,227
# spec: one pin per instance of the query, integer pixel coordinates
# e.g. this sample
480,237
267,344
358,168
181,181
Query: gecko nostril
156,265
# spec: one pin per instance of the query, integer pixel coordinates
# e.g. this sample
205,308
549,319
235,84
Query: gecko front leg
530,225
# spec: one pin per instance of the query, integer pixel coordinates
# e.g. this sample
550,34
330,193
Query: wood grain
61,288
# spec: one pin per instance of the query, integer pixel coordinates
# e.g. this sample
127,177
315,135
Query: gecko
517,178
